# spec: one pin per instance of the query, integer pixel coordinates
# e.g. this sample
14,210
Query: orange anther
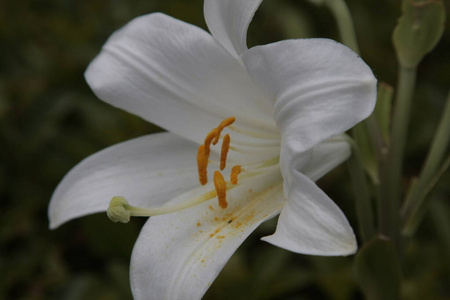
221,189
235,171
224,152
223,124
202,164
227,122
208,141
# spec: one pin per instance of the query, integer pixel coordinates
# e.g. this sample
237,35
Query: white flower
290,100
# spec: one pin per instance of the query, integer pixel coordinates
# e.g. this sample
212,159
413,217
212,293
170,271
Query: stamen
235,171
221,189
208,141
223,124
224,152
202,165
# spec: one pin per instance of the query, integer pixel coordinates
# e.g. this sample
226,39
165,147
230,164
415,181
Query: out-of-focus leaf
88,287
120,276
418,31
377,270
107,238
334,276
275,275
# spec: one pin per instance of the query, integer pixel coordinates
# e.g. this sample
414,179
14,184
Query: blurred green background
50,120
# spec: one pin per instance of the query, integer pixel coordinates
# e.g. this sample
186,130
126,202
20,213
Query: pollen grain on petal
224,152
202,165
235,171
221,189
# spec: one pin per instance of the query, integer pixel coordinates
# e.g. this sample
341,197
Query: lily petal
228,21
318,87
326,156
311,223
177,256
171,73
149,170
317,161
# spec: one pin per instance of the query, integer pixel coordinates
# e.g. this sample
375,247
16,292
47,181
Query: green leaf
418,31
377,270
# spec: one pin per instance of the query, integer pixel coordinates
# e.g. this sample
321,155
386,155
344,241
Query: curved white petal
228,21
311,223
177,76
318,88
177,256
316,162
326,156
147,171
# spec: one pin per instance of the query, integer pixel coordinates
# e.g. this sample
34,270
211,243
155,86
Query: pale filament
260,143
259,135
252,150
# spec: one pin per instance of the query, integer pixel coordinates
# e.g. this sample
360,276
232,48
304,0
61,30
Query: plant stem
413,221
344,21
391,172
432,163
363,203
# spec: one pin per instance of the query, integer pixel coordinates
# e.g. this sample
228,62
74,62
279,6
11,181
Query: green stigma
118,210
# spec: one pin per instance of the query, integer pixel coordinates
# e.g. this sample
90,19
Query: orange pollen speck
235,171
202,164
221,189
223,124
224,152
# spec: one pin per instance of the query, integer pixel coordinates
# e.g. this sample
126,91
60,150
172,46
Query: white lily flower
290,101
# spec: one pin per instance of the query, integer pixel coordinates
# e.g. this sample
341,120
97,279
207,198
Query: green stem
413,221
344,21
362,198
439,215
391,172
432,164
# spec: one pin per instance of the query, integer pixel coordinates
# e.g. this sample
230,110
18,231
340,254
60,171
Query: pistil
120,210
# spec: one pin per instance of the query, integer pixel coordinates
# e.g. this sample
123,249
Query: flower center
120,210
203,158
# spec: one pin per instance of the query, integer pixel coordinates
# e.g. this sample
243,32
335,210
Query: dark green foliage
50,120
